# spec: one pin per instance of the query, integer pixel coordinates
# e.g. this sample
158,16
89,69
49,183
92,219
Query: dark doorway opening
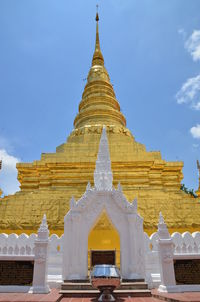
103,257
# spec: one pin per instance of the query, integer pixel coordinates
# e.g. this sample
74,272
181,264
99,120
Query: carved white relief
103,177
40,255
178,242
188,241
167,257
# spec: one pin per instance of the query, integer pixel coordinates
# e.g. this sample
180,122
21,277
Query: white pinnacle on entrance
103,177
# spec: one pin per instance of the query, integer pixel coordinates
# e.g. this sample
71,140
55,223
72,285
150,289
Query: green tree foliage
187,191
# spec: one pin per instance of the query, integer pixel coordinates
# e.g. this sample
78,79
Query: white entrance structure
84,213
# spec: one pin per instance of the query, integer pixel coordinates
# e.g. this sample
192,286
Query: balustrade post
165,248
40,264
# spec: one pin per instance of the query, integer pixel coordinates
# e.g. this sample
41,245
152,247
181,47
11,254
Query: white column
136,241
165,248
40,264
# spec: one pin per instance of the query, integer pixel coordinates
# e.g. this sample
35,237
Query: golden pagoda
48,184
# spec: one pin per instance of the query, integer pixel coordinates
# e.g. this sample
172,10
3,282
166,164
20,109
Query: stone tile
179,297
53,296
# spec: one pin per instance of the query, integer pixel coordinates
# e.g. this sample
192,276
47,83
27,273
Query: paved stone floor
54,296
182,297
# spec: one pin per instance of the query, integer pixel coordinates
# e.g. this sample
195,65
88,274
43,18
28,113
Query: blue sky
152,53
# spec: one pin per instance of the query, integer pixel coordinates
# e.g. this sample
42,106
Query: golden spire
97,57
98,105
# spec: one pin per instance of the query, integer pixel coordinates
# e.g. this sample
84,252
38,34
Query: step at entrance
84,289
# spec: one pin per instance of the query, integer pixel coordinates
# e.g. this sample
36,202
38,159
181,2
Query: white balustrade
14,245
196,236
184,244
23,245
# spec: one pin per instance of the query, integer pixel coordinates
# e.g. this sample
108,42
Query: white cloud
8,173
197,106
195,131
192,45
190,93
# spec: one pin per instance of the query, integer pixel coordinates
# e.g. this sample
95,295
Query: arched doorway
82,217
103,242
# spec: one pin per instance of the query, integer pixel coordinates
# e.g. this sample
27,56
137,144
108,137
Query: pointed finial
44,219
44,223
163,232
43,231
161,218
97,57
97,13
